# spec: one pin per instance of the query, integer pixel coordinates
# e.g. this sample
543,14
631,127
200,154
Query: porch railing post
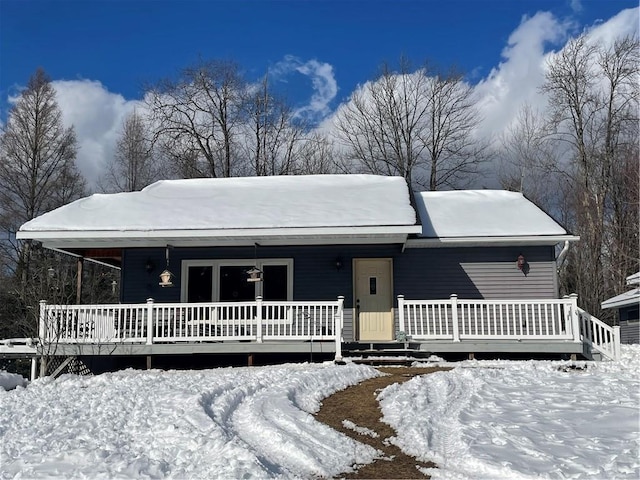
259,319
34,368
575,317
616,342
149,321
338,321
454,317
401,327
566,306
42,323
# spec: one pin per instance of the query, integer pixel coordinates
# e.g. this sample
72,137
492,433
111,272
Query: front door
373,295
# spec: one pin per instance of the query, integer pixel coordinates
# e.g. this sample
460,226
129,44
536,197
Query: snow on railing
457,319
187,322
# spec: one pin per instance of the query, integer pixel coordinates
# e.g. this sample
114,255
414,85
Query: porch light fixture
339,263
522,264
166,275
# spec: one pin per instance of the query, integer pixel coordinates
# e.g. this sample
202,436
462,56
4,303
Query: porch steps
384,354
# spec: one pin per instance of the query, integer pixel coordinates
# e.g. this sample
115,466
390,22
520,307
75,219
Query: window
226,280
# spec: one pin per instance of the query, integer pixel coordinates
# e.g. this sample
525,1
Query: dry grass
359,405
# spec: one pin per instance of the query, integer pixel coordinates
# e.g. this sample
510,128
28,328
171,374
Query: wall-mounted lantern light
338,263
522,264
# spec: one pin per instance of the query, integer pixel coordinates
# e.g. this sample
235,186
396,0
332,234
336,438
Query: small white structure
628,306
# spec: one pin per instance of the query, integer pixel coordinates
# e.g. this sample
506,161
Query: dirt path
359,405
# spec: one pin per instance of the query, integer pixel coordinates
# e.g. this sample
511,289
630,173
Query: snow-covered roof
632,297
484,216
291,206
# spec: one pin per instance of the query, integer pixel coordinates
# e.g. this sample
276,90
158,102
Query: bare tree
273,137
37,174
527,161
133,166
455,154
593,98
195,119
316,155
414,124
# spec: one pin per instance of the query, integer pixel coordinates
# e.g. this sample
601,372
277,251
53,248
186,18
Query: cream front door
374,306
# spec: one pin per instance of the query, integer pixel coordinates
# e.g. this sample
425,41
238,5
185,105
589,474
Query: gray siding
630,332
629,324
475,273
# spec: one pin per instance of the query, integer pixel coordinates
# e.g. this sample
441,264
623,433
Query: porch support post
401,315
42,324
149,321
454,317
338,321
34,368
258,320
79,281
575,317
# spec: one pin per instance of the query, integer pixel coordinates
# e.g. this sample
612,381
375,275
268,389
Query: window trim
231,262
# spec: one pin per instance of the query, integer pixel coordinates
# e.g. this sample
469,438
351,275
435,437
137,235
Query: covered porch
436,326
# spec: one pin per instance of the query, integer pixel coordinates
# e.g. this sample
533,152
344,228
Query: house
628,306
314,263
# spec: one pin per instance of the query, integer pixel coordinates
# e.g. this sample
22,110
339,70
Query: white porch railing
549,319
599,336
188,322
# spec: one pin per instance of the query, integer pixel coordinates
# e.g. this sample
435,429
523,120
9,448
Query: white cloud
625,22
97,116
516,80
323,82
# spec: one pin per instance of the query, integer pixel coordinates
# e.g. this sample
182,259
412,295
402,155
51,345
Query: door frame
356,314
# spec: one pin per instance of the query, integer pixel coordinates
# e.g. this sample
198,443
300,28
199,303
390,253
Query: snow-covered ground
481,420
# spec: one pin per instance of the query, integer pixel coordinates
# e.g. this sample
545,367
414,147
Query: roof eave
490,241
238,237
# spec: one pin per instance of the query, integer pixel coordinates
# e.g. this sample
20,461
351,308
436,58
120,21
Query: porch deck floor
184,348
246,347
472,346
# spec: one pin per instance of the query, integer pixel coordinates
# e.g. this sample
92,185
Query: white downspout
562,254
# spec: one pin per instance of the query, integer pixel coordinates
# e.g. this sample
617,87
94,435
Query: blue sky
101,53
124,44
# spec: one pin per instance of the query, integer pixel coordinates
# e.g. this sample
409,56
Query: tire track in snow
441,430
272,420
